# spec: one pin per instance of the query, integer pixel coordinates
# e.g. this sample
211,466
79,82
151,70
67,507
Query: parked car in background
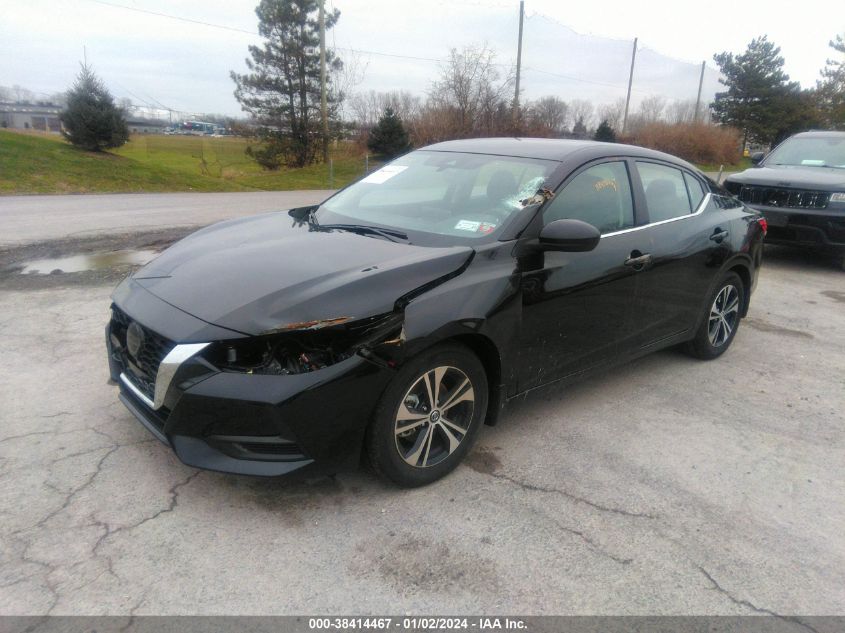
400,315
800,189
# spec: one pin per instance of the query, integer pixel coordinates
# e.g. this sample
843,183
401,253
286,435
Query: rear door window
665,191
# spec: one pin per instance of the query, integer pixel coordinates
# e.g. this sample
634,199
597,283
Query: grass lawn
741,165
38,163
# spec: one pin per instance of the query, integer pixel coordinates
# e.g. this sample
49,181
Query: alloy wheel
724,315
434,416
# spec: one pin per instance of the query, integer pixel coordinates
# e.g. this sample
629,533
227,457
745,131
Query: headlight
837,197
279,355
304,349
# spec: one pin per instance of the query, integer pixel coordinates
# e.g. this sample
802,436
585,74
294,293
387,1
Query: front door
577,306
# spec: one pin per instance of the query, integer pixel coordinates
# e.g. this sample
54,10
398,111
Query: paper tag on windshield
467,225
384,174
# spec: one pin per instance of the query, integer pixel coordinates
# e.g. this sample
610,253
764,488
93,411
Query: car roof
551,149
819,134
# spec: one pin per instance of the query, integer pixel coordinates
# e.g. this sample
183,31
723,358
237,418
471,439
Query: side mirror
300,213
756,157
571,236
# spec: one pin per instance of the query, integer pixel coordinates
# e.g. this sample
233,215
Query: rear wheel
429,416
720,323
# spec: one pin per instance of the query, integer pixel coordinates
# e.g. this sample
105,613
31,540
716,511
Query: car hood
269,273
819,178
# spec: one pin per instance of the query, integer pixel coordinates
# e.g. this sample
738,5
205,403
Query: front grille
143,367
785,198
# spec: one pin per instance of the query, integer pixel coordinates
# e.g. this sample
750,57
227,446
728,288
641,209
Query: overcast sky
571,49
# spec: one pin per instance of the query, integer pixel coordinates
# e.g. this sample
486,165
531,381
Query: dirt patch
414,562
836,295
14,259
765,326
483,460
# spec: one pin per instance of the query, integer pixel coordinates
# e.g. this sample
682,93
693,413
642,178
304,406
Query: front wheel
429,416
720,323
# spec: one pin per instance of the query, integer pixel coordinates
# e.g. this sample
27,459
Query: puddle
88,261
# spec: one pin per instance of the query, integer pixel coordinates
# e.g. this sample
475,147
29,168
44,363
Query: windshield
464,196
810,152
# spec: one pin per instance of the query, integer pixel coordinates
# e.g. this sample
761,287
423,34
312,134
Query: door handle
719,235
638,262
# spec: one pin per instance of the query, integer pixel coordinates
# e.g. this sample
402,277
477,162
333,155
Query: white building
25,116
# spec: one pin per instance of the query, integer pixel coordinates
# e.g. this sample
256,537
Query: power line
390,55
248,32
582,80
173,17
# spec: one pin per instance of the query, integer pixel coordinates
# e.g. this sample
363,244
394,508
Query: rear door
686,248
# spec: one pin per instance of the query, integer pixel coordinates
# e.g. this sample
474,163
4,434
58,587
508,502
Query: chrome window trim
168,367
135,391
701,206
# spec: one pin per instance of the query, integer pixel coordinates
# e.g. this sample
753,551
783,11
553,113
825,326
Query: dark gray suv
800,190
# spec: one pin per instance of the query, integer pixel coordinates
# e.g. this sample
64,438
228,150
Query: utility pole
323,108
518,66
698,98
630,82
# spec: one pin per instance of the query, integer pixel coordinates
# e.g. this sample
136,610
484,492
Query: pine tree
760,98
605,133
282,89
831,89
579,130
91,120
389,138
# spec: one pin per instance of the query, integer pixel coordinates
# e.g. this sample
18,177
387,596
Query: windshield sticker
384,174
486,227
467,225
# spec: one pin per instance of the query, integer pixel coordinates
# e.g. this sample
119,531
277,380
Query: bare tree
22,95
6,94
547,116
651,109
613,113
57,98
367,108
126,105
581,110
470,90
681,111
345,78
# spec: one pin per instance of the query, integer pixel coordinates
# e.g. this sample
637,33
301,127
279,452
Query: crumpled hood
795,176
267,272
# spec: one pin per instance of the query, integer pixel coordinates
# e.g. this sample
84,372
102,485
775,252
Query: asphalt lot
27,219
668,486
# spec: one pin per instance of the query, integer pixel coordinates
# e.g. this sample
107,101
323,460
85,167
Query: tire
720,320
412,443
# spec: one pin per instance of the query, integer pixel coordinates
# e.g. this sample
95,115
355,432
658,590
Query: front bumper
816,228
257,424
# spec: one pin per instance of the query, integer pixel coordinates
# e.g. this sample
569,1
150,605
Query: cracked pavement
666,486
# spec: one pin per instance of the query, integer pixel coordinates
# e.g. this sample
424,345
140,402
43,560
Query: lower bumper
797,228
266,425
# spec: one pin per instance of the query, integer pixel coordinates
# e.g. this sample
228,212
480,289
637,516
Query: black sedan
399,316
800,189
